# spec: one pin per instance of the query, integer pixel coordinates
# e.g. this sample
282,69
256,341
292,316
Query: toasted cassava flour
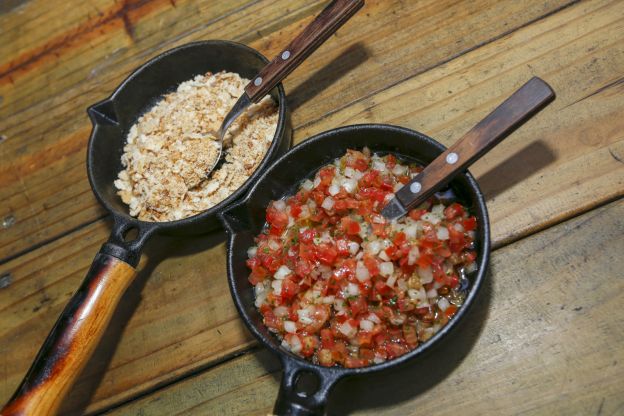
171,147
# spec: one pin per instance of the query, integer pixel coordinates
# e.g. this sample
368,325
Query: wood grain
337,13
502,121
544,338
42,110
568,159
74,337
177,317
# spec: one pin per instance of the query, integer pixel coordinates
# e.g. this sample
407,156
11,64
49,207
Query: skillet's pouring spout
511,114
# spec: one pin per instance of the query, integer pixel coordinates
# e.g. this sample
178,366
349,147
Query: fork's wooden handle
317,32
72,340
507,117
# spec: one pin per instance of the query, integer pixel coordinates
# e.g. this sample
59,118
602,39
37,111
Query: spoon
511,114
314,35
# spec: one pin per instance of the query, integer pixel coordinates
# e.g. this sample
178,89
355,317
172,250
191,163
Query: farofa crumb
170,148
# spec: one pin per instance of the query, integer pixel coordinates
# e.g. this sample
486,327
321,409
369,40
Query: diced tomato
358,305
326,254
470,223
289,289
391,161
416,214
349,226
454,210
327,174
325,357
295,210
327,338
278,219
395,350
371,264
381,321
361,165
309,344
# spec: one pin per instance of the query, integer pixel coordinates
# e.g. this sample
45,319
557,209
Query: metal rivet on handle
415,187
285,55
258,81
452,158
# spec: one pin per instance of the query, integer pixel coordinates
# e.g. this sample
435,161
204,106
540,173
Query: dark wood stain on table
176,344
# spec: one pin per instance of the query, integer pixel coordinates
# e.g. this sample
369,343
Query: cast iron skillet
82,323
245,220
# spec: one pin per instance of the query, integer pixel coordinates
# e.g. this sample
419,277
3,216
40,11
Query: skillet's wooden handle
313,36
501,122
72,340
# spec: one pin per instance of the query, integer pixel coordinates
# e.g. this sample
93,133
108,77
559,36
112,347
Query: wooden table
546,335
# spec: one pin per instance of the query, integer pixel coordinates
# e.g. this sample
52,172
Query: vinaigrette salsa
339,284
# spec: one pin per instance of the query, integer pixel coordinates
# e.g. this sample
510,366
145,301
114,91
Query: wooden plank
181,318
544,338
42,110
567,159
176,317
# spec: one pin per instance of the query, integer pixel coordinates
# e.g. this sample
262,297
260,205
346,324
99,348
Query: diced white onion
391,280
304,316
384,256
378,359
459,227
432,293
281,311
349,172
420,296
397,186
425,274
333,189
290,326
277,287
339,304
328,299
347,330
361,272
366,325
349,185
399,170
442,233
443,304
307,185
305,212
471,267
379,165
413,256
410,231
274,245
386,268
398,319
317,181
402,285
373,247
282,272
378,219
353,289
295,344
328,203
429,217
373,318
279,205
326,271
252,251
353,247
438,210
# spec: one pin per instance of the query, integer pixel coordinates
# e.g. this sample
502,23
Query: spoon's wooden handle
72,340
508,116
313,36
